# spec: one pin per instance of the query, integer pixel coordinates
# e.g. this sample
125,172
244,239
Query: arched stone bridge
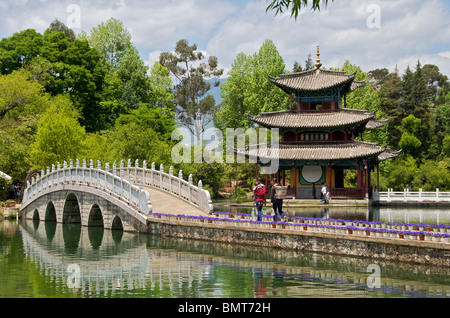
114,198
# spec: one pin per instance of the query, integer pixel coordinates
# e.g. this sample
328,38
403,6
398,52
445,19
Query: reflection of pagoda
318,138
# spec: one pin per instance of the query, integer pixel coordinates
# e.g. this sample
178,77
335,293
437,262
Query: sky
371,34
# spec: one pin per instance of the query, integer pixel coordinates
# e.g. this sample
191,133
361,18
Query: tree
134,141
19,49
22,101
195,108
390,97
111,39
294,6
62,66
59,137
248,91
19,96
309,64
58,26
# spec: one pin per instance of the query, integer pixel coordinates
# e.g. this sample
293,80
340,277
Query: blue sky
408,30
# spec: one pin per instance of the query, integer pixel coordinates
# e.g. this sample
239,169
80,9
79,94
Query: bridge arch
36,214
71,210
117,223
95,218
50,212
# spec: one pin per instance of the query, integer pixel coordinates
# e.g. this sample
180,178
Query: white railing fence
168,182
411,196
90,176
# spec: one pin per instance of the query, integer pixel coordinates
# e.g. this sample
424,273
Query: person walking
260,198
277,204
324,195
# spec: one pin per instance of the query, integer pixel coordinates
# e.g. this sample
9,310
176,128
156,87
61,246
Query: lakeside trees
92,96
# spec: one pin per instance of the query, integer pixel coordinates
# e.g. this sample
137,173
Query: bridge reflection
114,263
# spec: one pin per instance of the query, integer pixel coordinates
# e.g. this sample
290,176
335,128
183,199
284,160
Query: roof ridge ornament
318,64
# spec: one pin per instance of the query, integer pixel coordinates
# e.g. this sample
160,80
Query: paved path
163,202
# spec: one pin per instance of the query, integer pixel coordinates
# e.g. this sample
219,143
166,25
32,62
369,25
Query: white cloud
410,29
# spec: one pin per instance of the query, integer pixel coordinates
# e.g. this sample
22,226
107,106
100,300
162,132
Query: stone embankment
356,240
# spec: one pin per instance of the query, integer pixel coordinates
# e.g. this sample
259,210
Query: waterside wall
420,252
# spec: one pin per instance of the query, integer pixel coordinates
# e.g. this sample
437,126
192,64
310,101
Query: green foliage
247,90
400,174
60,137
63,66
4,186
294,6
446,146
433,175
134,141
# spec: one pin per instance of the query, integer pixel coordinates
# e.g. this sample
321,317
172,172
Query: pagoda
318,137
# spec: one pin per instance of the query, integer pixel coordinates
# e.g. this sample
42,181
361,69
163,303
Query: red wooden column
267,180
359,183
367,178
284,177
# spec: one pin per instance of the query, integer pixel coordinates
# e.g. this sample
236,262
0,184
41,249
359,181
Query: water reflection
114,264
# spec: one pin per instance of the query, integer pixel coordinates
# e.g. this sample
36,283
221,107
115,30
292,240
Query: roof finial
318,64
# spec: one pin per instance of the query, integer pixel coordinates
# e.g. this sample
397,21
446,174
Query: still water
40,260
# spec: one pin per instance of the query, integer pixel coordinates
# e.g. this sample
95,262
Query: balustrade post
33,185
58,172
71,179
83,170
49,180
152,175
99,167
136,167
106,176
128,168
161,171
144,171
91,168
199,196
170,179
130,194
64,171
180,178
121,166
190,188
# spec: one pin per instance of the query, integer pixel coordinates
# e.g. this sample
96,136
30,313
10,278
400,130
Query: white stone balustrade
411,196
95,177
175,185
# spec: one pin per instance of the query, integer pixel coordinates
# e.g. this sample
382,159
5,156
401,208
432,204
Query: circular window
312,174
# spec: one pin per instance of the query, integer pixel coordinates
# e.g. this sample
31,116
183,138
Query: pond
43,260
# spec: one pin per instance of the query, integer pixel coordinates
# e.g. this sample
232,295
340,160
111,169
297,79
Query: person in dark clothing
277,204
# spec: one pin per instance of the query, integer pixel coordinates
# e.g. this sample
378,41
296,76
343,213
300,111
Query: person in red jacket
260,198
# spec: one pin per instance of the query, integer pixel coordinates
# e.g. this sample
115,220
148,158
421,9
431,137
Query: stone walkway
163,202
